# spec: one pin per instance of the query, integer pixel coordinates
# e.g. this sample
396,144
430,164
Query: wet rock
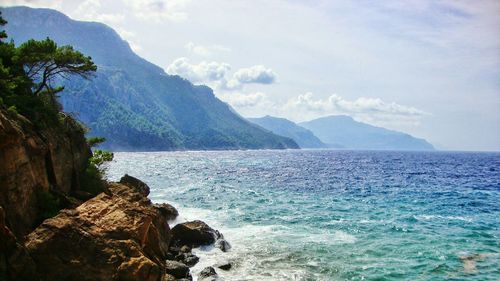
187,258
222,244
193,233
177,269
208,273
170,256
168,277
167,210
191,260
185,249
224,266
136,183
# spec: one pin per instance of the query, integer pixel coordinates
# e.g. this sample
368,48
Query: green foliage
27,72
92,181
93,141
44,61
100,157
12,110
3,22
48,205
137,107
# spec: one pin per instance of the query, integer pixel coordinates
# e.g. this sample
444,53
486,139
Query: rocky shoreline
119,235
115,234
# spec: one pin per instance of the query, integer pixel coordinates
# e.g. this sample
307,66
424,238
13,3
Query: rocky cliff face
36,161
116,235
120,236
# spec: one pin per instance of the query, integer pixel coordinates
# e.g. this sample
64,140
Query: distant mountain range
132,102
284,127
344,132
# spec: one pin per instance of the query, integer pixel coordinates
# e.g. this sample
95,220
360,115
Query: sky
426,67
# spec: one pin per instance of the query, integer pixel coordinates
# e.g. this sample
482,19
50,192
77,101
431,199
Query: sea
332,214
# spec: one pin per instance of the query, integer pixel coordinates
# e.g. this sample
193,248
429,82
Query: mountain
132,102
283,127
343,131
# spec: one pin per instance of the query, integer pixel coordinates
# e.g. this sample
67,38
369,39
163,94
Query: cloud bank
306,107
258,74
202,72
337,104
216,74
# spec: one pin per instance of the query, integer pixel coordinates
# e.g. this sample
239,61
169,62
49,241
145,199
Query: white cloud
372,110
305,107
215,74
205,51
337,104
202,72
258,74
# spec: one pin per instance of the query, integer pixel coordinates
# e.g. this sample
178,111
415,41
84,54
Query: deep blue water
336,215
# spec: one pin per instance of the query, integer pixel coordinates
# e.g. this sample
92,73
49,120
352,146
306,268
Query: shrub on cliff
92,180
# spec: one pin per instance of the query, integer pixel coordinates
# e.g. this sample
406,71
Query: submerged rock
193,233
225,266
469,261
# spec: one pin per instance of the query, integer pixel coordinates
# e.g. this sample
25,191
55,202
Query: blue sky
429,68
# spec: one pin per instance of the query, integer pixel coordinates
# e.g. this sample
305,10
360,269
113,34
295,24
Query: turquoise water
335,215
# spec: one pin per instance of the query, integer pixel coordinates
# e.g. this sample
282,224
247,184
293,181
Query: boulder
208,273
177,269
136,183
185,249
139,268
188,259
167,210
225,266
193,233
222,244
118,237
168,277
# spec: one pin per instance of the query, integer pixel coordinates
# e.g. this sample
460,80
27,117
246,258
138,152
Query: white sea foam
439,217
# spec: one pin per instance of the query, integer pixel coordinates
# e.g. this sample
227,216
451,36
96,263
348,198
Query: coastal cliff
118,234
35,163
